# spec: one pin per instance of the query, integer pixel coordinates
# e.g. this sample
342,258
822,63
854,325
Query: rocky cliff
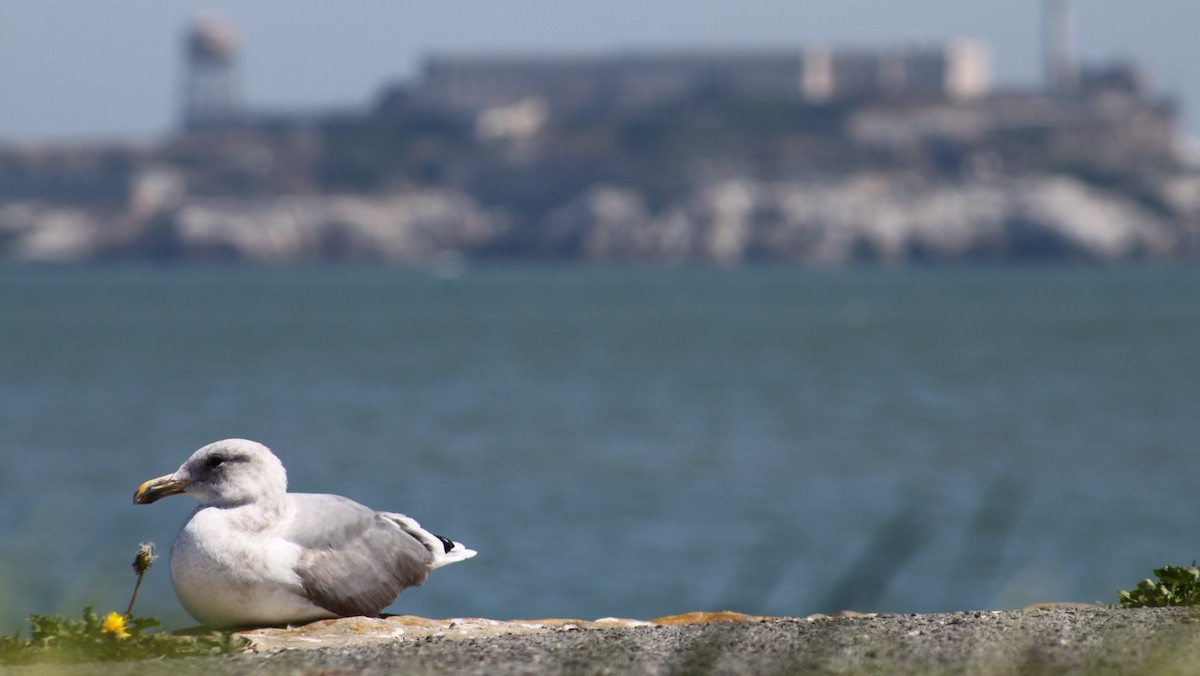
894,217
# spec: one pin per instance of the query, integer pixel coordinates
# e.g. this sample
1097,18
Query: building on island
468,84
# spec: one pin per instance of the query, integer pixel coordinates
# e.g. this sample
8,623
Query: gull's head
224,474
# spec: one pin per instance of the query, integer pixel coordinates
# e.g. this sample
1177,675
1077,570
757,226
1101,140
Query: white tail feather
435,545
457,553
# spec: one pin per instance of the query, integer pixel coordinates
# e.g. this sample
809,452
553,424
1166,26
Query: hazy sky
72,69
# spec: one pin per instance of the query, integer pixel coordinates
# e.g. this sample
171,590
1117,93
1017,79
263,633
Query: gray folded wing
355,561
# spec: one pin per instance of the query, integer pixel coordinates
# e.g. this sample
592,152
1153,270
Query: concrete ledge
1081,640
1052,638
360,631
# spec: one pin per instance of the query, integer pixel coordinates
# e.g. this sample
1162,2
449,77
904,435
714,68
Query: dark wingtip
446,544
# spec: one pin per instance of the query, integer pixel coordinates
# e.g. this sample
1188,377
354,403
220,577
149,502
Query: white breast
226,577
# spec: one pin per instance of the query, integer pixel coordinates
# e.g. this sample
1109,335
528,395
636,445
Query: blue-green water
628,442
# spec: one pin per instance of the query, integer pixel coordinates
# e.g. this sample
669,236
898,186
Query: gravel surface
1083,641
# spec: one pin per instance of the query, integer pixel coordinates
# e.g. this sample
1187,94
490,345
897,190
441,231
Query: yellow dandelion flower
114,623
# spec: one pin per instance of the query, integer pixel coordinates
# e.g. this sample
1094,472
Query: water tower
212,91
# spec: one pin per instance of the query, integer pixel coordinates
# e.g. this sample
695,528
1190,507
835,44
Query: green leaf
1176,586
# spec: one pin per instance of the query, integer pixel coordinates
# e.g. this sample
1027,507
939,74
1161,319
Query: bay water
629,442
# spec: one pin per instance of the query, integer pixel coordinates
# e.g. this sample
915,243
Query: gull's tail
444,550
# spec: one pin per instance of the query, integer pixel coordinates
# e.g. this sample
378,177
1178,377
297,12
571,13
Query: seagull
253,555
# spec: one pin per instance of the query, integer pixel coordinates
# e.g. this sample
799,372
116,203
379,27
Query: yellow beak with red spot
159,488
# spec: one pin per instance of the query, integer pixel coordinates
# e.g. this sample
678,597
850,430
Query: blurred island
809,156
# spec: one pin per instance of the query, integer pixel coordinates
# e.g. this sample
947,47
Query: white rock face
403,228
35,232
866,217
873,217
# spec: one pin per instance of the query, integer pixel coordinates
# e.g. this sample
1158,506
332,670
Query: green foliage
1176,586
92,638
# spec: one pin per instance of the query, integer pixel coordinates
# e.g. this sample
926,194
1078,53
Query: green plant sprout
1176,586
115,636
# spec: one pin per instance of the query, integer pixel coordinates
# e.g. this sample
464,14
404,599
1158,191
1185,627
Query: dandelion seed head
145,557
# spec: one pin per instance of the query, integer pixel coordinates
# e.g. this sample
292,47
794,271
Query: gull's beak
158,488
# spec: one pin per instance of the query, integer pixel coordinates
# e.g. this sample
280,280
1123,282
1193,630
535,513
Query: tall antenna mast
1058,38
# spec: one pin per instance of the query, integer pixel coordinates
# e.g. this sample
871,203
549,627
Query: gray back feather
355,561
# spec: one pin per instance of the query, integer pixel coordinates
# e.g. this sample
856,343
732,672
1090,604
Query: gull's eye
216,461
